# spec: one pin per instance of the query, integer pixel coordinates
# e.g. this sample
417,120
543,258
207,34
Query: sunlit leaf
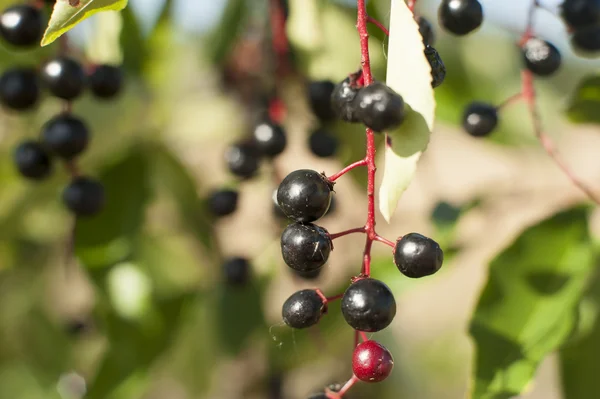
103,45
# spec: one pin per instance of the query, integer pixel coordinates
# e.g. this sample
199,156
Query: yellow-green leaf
65,16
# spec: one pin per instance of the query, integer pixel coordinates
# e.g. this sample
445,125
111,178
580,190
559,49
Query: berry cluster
583,19
65,136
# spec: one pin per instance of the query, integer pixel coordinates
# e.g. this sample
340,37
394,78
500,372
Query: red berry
372,362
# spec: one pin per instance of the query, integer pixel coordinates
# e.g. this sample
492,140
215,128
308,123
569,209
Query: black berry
319,96
587,40
66,136
305,247
342,100
304,195
417,256
541,57
22,25
32,160
332,207
223,202
311,275
480,119
426,31
379,107
581,13
236,271
368,305
270,138
322,143
19,88
372,362
303,309
64,77
84,196
438,69
460,16
106,81
243,159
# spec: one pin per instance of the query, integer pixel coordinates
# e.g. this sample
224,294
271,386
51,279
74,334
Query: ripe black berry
342,100
581,13
311,275
303,309
480,119
106,81
379,107
236,271
460,16
368,305
32,160
541,57
305,247
587,40
223,202
304,195
426,31
243,159
322,143
19,88
270,138
438,69
22,25
84,196
65,135
372,362
319,96
417,256
64,77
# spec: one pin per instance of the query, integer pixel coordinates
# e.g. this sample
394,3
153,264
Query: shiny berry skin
303,309
236,271
460,17
22,25
32,160
19,88
372,362
64,77
243,159
84,196
426,31
305,247
417,256
270,138
65,136
323,144
223,202
106,81
480,119
379,107
305,195
587,40
581,13
342,101
368,305
541,57
319,97
438,69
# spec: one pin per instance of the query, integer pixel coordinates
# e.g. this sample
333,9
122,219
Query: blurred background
143,311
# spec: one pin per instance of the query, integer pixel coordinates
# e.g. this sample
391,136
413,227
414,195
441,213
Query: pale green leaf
409,74
65,16
304,28
528,307
104,44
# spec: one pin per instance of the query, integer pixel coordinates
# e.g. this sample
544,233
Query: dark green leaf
528,306
135,49
585,102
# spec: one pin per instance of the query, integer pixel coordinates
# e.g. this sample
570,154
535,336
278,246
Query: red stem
356,338
411,5
379,25
346,232
334,298
347,169
279,37
385,241
344,390
510,100
363,336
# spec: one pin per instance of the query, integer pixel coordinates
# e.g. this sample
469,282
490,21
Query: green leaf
585,102
223,38
135,48
107,238
65,16
528,306
103,44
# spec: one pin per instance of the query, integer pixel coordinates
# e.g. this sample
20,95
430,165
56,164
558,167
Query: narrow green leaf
223,38
528,306
65,16
585,102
